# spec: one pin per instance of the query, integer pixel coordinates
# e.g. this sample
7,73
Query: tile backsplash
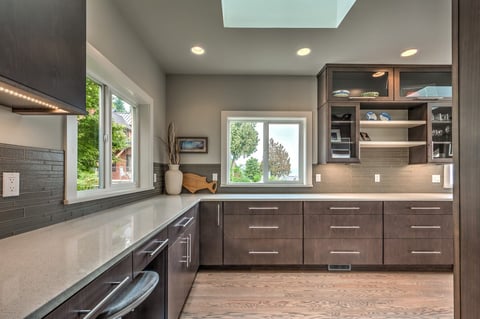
42,189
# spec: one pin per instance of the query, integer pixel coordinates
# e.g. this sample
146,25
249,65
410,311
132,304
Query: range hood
23,100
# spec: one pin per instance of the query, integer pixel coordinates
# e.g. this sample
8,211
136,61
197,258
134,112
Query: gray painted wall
195,103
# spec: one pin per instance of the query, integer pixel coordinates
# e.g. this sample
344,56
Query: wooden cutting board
193,183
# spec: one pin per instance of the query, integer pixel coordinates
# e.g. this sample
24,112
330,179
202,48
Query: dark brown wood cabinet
263,233
183,259
44,50
418,233
211,233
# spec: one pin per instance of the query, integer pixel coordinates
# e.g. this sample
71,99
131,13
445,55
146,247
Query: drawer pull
425,227
254,252
263,208
218,214
344,208
93,313
263,227
344,227
425,208
182,222
425,252
162,245
344,252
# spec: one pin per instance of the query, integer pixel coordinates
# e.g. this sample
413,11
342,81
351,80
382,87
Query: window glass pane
283,152
88,150
122,141
246,151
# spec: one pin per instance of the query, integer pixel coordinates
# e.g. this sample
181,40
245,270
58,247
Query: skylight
284,13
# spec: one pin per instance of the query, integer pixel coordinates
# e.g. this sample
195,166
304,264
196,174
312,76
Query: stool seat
131,296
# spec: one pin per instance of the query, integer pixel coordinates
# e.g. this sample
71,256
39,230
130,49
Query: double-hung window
266,149
108,150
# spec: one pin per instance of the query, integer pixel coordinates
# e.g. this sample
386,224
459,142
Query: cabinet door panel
342,251
177,277
263,251
342,207
263,226
343,226
262,207
211,233
418,252
418,226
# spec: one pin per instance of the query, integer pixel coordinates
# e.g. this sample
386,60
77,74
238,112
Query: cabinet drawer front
263,226
418,252
342,251
343,226
418,207
418,226
262,207
262,251
343,207
144,254
176,228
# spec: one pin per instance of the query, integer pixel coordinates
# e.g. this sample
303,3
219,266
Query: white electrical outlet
11,184
318,178
214,177
154,177
377,178
436,179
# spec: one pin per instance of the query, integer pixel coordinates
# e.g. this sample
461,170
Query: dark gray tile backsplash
41,191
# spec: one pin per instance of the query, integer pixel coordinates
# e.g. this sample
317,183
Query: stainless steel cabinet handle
344,252
425,252
92,313
162,245
189,249
263,227
254,252
344,227
218,214
263,208
348,208
420,207
182,222
425,227
184,259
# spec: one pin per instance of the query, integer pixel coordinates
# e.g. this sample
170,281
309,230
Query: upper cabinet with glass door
423,83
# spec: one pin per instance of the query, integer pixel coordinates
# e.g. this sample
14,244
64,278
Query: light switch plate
436,179
377,178
214,177
318,178
11,184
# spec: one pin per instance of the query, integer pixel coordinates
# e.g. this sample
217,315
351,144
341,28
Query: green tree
117,105
278,160
253,170
243,142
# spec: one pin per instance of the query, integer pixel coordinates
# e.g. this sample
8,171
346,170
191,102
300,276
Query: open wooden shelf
390,144
392,124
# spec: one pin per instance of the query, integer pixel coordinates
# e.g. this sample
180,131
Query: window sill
266,185
102,195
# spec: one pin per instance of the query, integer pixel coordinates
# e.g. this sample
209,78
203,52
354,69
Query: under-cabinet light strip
28,98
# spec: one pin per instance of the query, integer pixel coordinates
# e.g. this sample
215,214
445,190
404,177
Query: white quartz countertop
41,269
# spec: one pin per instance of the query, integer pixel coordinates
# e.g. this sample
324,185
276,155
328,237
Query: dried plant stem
172,147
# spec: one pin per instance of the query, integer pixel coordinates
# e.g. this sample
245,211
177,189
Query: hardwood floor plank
319,295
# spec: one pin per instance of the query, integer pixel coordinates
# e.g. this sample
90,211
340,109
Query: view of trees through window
91,149
263,151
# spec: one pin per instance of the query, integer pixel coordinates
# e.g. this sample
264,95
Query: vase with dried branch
173,177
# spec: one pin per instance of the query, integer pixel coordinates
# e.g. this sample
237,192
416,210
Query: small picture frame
192,144
364,136
335,136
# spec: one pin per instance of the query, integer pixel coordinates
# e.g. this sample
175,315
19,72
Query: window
266,149
109,150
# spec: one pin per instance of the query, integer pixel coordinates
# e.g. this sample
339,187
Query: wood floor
320,294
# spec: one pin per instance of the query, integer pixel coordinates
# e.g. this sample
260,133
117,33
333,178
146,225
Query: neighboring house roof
124,119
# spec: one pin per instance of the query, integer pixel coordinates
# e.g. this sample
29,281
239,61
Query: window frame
270,117
114,81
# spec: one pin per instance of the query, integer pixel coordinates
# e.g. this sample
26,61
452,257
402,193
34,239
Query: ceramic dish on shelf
341,93
384,116
370,94
371,116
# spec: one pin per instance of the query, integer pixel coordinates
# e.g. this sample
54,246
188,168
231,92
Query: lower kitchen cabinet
343,233
263,251
211,233
183,260
418,233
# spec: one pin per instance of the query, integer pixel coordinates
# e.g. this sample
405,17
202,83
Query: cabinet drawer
263,226
418,207
342,251
343,226
262,207
418,226
262,251
144,254
423,252
337,207
181,224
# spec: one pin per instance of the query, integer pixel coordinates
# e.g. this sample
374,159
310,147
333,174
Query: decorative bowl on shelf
341,93
370,94
384,116
371,116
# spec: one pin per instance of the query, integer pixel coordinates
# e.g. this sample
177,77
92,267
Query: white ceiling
374,31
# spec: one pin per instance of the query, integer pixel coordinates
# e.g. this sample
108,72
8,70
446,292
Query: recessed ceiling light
197,50
409,52
304,51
